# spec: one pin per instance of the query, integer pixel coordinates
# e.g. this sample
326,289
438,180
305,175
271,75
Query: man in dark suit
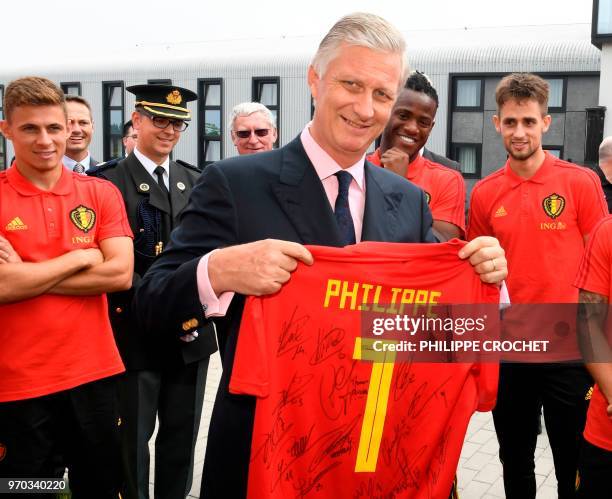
165,374
77,156
243,229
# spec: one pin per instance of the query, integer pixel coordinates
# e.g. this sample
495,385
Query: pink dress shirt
326,167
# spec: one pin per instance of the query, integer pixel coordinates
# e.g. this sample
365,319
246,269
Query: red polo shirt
541,222
51,342
443,186
595,276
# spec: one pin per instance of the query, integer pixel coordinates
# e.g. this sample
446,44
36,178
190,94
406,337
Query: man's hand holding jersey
262,267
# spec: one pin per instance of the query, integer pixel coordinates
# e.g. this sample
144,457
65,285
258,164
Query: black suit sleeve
427,234
167,296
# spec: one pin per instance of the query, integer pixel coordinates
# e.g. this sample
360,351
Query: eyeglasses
245,134
162,123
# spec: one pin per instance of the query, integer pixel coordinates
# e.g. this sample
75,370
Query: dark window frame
159,81
2,138
596,39
106,108
496,74
256,85
455,107
202,108
548,147
563,108
455,156
64,85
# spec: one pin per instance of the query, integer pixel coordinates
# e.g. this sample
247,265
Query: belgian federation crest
83,218
553,205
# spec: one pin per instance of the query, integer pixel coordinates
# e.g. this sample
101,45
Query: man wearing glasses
253,128
165,375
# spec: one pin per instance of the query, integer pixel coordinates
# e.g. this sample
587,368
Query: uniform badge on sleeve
83,218
553,205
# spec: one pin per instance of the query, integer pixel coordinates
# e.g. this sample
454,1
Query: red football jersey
328,422
595,275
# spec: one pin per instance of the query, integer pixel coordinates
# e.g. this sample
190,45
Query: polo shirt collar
26,188
414,167
540,176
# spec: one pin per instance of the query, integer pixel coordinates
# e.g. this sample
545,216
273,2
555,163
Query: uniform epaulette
105,165
188,165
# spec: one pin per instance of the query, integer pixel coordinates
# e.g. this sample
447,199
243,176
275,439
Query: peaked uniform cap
165,101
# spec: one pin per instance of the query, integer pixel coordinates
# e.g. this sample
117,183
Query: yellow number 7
373,423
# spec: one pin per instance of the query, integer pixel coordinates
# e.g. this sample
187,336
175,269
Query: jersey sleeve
594,271
250,372
112,217
478,219
450,206
591,203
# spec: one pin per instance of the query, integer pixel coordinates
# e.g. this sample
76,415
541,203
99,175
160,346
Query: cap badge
174,97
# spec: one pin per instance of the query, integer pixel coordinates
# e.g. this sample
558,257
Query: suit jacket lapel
380,218
145,183
302,197
178,196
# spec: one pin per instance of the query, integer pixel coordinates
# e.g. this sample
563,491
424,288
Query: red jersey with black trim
329,424
595,275
51,343
541,222
443,186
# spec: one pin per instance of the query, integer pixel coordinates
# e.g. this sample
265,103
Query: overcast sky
40,30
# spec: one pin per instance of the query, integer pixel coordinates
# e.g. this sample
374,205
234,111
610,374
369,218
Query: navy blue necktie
342,210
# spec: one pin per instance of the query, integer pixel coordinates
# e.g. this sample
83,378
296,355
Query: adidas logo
16,224
501,212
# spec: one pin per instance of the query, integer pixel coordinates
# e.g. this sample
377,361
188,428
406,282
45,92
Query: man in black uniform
165,374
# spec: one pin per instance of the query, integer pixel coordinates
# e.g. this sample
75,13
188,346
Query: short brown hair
80,100
521,87
32,91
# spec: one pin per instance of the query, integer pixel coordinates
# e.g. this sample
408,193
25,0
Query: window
556,151
72,88
112,98
556,96
210,120
267,91
469,156
160,81
2,139
468,94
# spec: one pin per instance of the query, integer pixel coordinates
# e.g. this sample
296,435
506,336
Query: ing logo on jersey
553,205
83,218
